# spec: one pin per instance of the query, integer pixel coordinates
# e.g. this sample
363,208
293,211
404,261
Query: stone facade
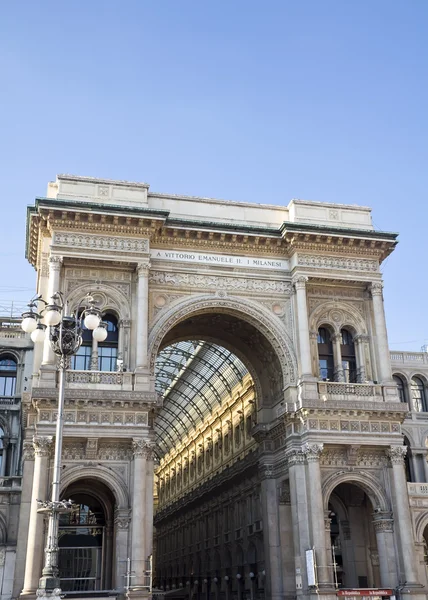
303,451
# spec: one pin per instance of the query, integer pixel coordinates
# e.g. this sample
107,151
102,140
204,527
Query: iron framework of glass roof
193,377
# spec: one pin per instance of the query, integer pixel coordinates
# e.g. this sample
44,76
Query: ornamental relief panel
123,288
103,243
217,282
336,262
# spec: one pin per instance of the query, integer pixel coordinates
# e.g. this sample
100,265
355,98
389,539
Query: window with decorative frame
400,387
325,354
349,362
107,350
418,394
8,371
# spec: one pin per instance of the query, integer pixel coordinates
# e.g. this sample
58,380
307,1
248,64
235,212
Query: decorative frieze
103,243
216,282
337,262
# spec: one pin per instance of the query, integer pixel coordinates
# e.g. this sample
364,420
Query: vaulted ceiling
193,377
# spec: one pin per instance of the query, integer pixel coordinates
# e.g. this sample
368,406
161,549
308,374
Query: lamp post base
49,594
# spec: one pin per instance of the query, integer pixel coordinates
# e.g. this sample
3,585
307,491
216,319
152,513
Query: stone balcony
410,358
109,380
330,395
10,484
418,495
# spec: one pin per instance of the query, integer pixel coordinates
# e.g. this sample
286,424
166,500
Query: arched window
107,350
418,395
81,361
8,368
400,387
349,364
325,355
407,462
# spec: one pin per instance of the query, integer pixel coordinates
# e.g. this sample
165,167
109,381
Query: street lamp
65,337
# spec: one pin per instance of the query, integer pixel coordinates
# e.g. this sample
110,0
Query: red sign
364,592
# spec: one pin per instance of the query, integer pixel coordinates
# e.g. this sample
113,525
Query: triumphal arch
240,423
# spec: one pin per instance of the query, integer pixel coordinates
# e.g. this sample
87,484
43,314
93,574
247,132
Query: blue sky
255,101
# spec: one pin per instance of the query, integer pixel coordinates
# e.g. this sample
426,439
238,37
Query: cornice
53,215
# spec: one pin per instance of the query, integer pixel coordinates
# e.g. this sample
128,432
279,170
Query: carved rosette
42,446
28,451
312,452
376,288
397,454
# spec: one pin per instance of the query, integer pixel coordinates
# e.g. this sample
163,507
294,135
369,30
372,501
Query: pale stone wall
259,280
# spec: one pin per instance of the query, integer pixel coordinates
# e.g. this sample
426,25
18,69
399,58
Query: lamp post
65,338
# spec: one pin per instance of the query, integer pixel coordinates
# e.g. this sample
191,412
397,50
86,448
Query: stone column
150,476
337,357
142,314
316,510
383,526
35,543
300,516
121,544
4,457
359,341
299,283
139,516
55,264
94,355
402,517
24,516
424,460
271,533
381,336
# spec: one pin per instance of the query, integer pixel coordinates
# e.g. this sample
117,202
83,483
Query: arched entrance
220,372
85,538
353,537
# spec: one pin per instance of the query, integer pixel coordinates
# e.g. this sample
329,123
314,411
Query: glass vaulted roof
193,377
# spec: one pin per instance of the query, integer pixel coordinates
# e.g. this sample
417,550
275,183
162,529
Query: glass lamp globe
99,334
38,335
92,321
29,324
52,317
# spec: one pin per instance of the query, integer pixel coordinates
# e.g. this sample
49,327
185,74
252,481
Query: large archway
85,538
353,538
220,371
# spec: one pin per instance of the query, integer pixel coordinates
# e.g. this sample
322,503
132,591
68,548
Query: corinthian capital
312,451
299,282
376,288
55,263
142,449
42,445
143,269
397,454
